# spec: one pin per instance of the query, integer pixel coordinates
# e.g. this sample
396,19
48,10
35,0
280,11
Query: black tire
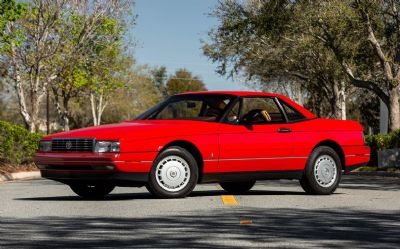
91,190
309,181
157,188
237,187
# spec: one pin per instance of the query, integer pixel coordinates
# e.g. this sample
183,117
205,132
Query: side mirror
255,116
248,119
233,120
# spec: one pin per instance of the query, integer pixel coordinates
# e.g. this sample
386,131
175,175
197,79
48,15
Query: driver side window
253,107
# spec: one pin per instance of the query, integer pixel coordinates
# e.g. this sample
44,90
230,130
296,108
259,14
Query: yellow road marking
246,222
229,200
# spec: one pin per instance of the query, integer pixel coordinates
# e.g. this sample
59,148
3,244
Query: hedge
17,145
381,142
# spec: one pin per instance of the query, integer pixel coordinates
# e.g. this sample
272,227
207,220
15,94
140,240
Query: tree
93,56
53,44
159,77
259,39
137,95
352,41
184,81
28,50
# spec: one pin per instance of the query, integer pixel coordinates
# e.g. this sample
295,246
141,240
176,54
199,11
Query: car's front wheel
237,187
323,172
91,190
174,173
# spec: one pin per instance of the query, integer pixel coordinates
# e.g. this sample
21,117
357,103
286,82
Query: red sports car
232,138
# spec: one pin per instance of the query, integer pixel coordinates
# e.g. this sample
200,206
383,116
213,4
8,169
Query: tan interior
266,115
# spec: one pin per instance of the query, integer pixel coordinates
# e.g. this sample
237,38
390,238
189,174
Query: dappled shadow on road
249,193
370,183
347,182
214,228
148,196
110,197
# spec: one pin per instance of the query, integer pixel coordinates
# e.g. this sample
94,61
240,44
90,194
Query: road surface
363,213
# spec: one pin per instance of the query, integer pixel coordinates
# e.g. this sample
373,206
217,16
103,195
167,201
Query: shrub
17,145
384,141
381,142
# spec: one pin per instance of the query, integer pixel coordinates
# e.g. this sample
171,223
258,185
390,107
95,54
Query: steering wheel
256,115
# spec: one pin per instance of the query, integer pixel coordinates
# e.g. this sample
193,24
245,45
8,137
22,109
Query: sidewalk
25,175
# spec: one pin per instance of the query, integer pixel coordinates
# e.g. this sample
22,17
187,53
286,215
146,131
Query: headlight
107,146
45,146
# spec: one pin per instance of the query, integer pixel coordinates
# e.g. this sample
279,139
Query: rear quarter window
291,113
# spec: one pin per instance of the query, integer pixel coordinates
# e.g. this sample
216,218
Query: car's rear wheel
174,173
91,190
237,187
323,172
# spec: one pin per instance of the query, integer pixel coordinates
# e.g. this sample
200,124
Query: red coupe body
224,151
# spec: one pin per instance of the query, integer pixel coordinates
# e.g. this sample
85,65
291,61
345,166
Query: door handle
284,130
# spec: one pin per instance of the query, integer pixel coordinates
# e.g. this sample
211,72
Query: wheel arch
336,147
192,149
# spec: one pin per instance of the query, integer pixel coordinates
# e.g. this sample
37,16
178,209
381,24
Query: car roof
236,93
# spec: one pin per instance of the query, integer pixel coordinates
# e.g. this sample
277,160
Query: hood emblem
68,145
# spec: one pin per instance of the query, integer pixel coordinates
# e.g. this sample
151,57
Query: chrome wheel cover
172,173
325,171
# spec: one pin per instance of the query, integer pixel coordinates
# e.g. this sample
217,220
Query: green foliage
184,81
10,12
381,142
384,141
159,77
318,44
17,145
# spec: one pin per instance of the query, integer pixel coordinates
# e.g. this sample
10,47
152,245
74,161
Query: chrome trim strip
353,155
74,162
258,158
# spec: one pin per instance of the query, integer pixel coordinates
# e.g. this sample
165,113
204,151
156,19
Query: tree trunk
65,116
23,110
93,105
342,100
394,108
62,111
338,101
98,105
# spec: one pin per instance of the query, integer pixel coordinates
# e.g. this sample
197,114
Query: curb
374,173
25,175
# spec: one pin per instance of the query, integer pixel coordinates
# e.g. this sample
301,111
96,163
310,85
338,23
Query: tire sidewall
309,172
237,187
157,190
99,192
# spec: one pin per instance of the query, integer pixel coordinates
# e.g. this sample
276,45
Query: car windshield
205,107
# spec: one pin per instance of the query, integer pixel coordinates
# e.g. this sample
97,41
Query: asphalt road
363,213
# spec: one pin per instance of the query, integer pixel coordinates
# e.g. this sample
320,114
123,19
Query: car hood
140,129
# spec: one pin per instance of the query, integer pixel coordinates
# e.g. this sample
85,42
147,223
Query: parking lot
363,213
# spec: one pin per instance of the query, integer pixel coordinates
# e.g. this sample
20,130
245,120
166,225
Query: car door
258,145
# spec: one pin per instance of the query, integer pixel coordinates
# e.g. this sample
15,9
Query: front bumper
114,178
119,168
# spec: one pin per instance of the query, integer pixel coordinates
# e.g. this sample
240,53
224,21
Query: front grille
72,145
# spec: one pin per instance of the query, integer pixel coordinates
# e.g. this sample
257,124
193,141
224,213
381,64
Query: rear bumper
356,156
350,168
